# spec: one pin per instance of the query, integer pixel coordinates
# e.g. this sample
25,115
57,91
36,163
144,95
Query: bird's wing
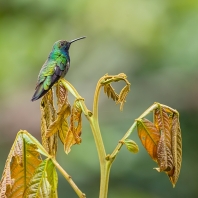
46,70
46,81
51,67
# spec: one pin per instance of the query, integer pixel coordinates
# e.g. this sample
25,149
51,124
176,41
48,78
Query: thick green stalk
93,120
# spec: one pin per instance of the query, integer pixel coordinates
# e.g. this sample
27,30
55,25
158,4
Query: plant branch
112,156
105,164
68,178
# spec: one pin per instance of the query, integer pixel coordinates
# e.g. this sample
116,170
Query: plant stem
93,120
68,178
105,163
128,133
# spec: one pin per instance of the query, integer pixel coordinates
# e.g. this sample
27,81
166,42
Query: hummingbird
55,67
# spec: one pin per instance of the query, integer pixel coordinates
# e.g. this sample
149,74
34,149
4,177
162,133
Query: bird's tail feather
40,91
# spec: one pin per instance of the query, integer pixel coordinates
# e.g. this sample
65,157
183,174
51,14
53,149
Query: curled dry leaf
62,95
164,154
75,128
162,140
176,148
110,91
48,115
123,95
60,125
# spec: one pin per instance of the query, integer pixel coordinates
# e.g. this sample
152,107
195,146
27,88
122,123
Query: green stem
105,163
128,133
119,146
93,120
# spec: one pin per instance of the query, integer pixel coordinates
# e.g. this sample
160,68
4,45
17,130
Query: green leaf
131,146
52,175
44,182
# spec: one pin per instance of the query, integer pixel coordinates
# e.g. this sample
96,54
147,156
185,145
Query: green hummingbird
55,67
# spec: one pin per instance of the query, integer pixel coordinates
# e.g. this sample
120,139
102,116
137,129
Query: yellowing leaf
60,125
149,136
75,128
43,184
21,163
48,115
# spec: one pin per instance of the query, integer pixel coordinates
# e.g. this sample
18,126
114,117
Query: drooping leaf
22,161
43,184
164,153
110,91
131,146
149,136
60,125
62,94
75,128
48,115
176,149
168,147
123,95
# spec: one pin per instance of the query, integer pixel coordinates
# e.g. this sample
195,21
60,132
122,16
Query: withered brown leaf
75,128
60,125
62,94
48,115
176,149
164,153
123,95
110,91
168,145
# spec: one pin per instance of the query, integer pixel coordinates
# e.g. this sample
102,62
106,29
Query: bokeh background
154,42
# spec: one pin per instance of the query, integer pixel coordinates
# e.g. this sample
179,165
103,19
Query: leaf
21,163
162,140
60,125
48,115
44,182
164,153
176,149
123,95
75,128
52,175
109,90
62,94
149,136
131,146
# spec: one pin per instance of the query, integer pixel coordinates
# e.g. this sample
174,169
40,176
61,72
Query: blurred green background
154,42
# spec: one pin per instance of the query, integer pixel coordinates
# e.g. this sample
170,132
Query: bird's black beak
77,39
